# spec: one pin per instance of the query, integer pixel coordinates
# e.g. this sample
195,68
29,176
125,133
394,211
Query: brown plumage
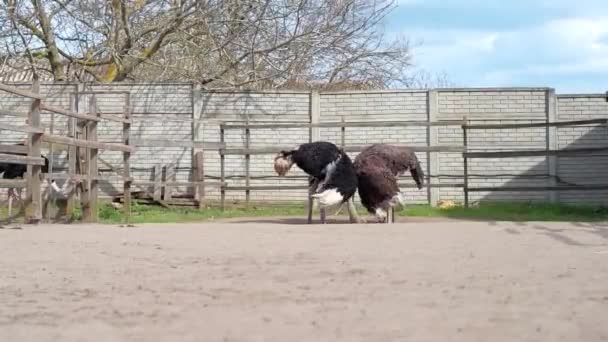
378,168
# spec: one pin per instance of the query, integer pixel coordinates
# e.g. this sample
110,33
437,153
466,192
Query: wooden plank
170,177
222,171
69,113
247,168
13,183
91,210
158,179
465,143
535,153
115,119
343,124
353,148
5,112
126,160
174,184
20,149
21,160
305,187
72,156
86,144
541,188
204,145
539,124
35,170
25,129
199,174
21,92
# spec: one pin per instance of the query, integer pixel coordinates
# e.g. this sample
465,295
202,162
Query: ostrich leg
352,212
313,183
10,194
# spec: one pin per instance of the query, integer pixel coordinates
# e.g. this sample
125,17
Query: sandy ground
272,281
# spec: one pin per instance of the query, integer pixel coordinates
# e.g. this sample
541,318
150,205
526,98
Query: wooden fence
247,151
81,141
548,152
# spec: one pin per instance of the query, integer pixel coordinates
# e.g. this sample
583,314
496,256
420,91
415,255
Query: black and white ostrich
378,168
14,171
333,177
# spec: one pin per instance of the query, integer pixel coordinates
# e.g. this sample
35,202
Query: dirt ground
423,280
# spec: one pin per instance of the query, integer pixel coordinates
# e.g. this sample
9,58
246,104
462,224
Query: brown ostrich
378,168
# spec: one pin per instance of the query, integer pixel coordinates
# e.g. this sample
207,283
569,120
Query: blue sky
548,43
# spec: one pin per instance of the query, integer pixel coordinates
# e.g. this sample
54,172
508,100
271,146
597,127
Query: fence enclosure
183,135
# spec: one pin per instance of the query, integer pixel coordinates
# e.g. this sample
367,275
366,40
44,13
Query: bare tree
218,43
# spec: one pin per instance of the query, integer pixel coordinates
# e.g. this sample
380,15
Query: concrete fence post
551,143
432,140
315,115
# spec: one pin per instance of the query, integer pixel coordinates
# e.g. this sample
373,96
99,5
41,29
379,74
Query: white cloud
540,55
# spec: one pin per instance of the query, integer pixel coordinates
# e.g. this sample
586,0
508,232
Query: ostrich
378,167
13,171
333,177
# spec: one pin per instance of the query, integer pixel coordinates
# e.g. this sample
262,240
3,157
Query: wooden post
126,161
158,180
343,134
465,162
169,177
34,142
72,157
222,170
197,155
50,199
247,166
200,177
90,213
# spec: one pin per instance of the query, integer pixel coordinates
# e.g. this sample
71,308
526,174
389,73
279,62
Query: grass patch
485,211
514,212
155,214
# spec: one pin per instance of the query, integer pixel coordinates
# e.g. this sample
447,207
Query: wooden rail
531,153
83,130
343,124
352,148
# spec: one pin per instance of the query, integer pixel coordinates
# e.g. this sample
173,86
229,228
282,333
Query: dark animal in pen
16,171
378,168
333,180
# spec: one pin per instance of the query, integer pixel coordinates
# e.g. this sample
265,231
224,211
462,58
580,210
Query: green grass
486,211
514,212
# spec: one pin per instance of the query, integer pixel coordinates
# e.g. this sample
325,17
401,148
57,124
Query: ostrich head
282,163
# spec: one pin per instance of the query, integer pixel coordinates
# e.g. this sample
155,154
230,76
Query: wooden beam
539,124
86,144
69,113
116,119
353,148
25,129
305,187
344,124
199,176
5,112
160,185
535,153
22,160
126,160
5,148
204,145
13,183
541,188
21,92
34,170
